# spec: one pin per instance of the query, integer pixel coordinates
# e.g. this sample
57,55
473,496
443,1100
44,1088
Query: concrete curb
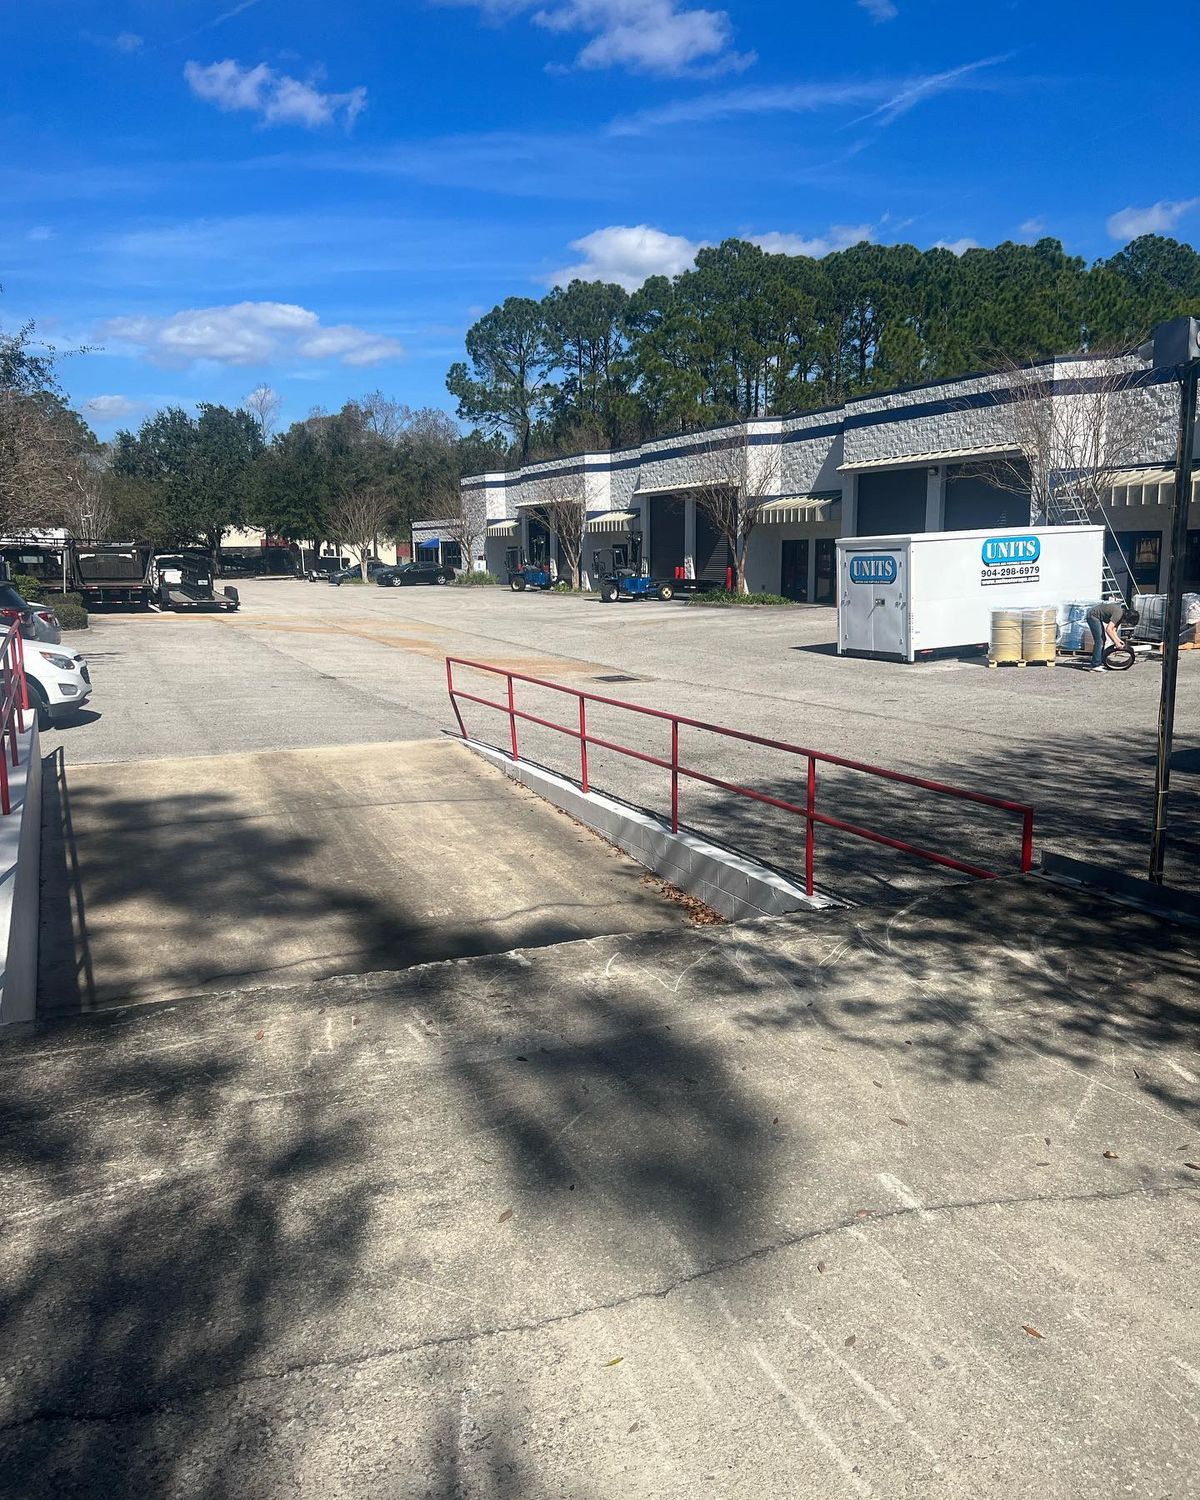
730,883
20,882
1163,901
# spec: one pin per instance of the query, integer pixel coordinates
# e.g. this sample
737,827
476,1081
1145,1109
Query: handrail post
1027,841
512,716
810,825
583,769
21,675
462,728
674,775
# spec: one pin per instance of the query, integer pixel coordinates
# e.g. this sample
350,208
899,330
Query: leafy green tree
586,338
505,388
198,467
47,451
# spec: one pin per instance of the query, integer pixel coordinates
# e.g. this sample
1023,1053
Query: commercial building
252,552
925,458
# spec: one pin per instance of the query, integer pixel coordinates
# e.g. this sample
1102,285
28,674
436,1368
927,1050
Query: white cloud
1157,219
40,233
650,36
957,247
627,254
278,98
249,333
932,84
797,98
880,10
1034,227
127,41
111,408
892,97
840,237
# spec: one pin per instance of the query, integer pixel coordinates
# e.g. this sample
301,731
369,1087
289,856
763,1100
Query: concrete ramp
841,1206
164,878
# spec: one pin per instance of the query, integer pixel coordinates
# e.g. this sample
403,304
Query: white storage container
903,596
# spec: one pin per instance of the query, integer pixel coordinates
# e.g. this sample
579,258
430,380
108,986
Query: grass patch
474,580
739,601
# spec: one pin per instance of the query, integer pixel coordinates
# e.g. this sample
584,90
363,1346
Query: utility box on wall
903,596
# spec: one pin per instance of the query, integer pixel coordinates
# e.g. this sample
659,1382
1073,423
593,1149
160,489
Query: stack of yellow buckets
1020,636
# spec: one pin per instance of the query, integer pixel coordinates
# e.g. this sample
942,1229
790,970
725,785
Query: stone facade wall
811,450
926,419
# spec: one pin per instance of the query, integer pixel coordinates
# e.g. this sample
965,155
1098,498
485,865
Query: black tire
608,593
517,584
666,593
37,702
441,578
1118,658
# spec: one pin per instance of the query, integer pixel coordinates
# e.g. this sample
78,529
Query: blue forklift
523,574
619,573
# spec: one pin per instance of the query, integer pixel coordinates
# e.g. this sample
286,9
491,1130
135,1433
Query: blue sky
323,197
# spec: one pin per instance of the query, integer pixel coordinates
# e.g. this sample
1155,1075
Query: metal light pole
1174,345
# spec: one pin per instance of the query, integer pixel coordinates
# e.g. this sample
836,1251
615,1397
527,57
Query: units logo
998,550
872,567
1011,559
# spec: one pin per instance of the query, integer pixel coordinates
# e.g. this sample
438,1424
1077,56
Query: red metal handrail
808,811
14,704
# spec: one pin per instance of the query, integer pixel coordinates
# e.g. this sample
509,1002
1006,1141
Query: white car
58,680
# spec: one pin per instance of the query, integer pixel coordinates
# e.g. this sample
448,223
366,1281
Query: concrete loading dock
844,1206
167,878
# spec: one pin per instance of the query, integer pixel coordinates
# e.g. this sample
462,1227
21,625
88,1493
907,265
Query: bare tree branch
263,405
565,516
467,524
358,519
739,475
1071,442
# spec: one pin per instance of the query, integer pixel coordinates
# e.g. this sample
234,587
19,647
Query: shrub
31,589
734,601
470,579
71,611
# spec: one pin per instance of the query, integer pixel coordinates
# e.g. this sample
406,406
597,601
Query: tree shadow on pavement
150,898
130,1299
199,1215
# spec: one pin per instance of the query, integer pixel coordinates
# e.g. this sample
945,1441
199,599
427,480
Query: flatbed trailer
181,582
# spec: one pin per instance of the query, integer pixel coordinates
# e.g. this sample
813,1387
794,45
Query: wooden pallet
1017,662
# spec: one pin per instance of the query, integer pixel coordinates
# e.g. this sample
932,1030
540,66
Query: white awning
613,520
798,508
1149,486
927,460
502,528
690,486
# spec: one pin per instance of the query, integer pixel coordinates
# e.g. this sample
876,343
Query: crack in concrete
133,1411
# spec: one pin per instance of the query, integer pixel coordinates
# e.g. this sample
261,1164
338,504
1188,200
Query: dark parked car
412,572
374,568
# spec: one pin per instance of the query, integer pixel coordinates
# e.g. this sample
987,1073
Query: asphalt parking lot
305,665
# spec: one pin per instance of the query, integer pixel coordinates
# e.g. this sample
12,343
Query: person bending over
1104,621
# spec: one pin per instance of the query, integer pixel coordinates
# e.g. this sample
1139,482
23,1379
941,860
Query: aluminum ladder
1064,507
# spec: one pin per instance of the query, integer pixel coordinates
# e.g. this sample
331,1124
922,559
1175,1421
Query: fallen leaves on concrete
701,914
